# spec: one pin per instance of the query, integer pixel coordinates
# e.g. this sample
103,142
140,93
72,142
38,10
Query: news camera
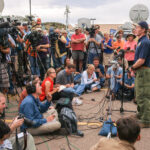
91,31
27,122
5,29
34,38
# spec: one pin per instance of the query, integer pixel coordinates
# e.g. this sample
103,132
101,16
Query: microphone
128,48
118,48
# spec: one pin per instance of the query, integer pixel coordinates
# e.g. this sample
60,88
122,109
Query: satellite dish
127,26
1,6
139,13
84,23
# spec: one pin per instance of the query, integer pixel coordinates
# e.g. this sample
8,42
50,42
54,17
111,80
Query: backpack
66,115
127,94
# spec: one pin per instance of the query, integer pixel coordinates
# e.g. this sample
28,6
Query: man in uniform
142,68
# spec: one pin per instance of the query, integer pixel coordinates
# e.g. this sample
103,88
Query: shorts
107,58
77,55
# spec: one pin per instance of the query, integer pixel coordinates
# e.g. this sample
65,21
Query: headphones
31,88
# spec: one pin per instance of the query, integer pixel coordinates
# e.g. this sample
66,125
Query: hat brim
131,35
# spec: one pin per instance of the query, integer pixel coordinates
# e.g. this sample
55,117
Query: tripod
94,47
122,97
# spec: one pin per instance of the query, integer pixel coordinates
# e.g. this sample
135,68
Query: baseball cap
76,28
143,24
38,29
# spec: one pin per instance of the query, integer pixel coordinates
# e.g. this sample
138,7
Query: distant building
105,28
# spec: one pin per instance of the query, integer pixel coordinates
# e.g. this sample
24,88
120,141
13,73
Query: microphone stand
122,97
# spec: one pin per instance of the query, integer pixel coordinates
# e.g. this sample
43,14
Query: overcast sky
105,11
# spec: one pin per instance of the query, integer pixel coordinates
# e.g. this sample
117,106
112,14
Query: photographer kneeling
33,109
128,86
7,143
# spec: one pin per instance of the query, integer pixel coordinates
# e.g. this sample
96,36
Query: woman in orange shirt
48,83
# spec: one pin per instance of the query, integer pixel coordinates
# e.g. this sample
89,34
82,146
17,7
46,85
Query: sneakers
76,101
88,91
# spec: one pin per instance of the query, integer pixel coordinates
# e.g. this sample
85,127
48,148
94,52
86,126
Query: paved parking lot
89,113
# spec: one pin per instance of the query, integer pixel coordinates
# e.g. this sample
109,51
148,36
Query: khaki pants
47,127
107,58
142,90
30,143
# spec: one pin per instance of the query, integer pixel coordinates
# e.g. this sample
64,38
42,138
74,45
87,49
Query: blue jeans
102,81
63,59
55,61
89,86
77,77
91,57
77,89
34,65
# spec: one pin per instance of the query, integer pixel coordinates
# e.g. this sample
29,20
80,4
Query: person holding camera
128,85
93,45
44,120
60,46
42,49
10,143
114,74
129,47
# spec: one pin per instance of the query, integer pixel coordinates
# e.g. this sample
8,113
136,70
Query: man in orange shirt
119,44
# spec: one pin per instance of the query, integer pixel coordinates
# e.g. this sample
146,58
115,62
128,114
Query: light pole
30,7
67,11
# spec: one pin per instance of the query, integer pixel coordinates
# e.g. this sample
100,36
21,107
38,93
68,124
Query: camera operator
42,49
7,143
11,63
33,109
4,78
128,84
60,47
93,45
20,49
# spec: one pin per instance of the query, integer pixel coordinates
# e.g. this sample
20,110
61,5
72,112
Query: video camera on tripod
5,29
91,31
34,38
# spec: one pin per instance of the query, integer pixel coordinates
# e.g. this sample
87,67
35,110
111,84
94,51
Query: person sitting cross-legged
128,87
44,120
99,70
9,142
66,78
90,80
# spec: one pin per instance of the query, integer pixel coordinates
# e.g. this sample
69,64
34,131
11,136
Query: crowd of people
57,49
66,66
